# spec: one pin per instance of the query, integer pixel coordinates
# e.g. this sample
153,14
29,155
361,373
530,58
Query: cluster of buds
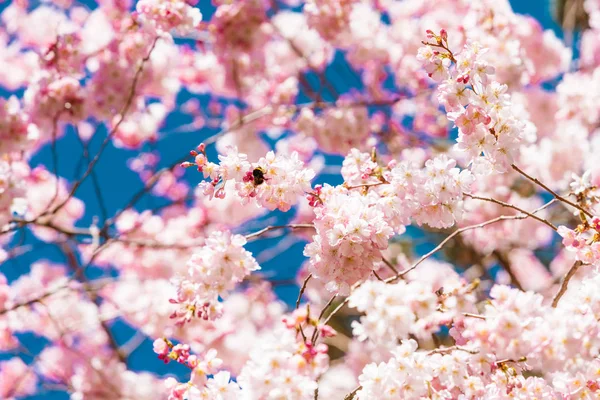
201,162
167,351
300,319
200,158
190,309
309,351
441,41
313,197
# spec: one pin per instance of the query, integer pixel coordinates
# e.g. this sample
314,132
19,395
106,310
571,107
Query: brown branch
565,283
367,185
148,185
73,232
458,232
275,227
351,395
503,204
112,132
552,192
451,349
390,265
95,285
35,300
94,298
270,109
302,289
471,315
505,263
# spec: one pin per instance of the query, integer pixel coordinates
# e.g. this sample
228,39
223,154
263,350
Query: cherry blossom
299,200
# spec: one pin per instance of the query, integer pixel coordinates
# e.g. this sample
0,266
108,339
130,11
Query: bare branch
112,132
275,227
458,232
552,192
505,263
351,395
302,289
565,283
451,349
503,204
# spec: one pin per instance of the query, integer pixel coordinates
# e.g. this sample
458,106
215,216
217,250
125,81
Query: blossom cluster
516,333
584,241
355,221
213,271
166,15
273,182
416,374
279,367
478,106
413,307
336,130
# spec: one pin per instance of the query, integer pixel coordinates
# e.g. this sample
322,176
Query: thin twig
94,298
112,132
504,204
458,232
302,289
565,283
552,192
351,395
390,265
505,263
451,349
471,315
275,227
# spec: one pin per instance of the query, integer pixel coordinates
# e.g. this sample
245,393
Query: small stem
451,349
366,185
377,276
302,289
351,395
552,192
458,232
565,283
503,204
390,265
471,315
275,227
505,263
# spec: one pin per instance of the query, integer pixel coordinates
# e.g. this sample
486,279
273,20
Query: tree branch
565,283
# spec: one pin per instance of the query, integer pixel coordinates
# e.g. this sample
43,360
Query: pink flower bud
444,35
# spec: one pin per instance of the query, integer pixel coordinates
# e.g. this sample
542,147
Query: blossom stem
366,185
471,315
390,265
